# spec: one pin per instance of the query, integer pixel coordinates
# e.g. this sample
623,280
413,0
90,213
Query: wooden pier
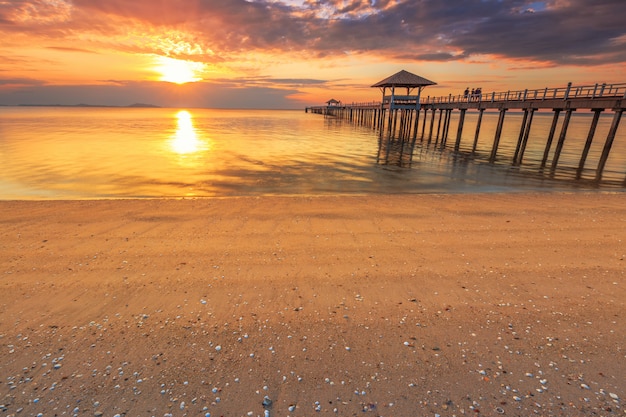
402,120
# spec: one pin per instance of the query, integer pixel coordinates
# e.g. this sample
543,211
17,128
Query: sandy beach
412,305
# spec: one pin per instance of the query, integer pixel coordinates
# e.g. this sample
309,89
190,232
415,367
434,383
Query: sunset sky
294,53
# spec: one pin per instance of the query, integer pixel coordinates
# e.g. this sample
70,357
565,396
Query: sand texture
419,305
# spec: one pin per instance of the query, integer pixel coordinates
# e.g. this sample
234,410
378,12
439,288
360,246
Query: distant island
139,105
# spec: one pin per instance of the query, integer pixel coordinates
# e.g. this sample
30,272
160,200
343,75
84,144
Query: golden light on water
186,139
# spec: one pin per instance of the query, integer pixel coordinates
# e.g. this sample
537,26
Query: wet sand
417,305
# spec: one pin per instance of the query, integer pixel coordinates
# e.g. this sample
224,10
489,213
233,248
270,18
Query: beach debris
317,406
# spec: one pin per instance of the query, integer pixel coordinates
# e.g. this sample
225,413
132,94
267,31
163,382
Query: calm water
85,153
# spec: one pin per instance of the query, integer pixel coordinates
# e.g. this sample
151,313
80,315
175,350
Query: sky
289,54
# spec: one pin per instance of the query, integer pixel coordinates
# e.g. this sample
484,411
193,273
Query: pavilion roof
404,79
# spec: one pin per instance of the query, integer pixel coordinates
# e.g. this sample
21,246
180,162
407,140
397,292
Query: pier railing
568,92
565,93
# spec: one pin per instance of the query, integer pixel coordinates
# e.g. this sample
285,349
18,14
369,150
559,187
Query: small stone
614,396
267,402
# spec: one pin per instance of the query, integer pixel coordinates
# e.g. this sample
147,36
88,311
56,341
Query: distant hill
135,105
143,105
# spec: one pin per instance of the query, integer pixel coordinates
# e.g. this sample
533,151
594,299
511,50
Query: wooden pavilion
407,105
403,79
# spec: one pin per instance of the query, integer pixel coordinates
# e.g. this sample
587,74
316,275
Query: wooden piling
432,125
416,124
496,139
459,130
526,136
561,141
439,125
424,123
477,133
520,137
590,135
609,142
546,152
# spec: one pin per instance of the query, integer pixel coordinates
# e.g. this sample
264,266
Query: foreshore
390,305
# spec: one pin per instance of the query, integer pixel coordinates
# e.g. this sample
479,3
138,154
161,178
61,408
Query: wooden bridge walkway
404,118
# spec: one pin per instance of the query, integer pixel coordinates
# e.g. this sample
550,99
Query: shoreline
392,305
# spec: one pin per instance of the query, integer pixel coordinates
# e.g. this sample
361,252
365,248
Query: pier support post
432,125
609,142
480,119
496,139
424,123
520,137
546,151
523,136
417,120
590,135
559,144
526,136
439,125
459,130
446,126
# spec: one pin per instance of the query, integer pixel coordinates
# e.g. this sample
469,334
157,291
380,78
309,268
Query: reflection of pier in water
404,121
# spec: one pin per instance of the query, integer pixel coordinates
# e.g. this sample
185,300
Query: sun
178,71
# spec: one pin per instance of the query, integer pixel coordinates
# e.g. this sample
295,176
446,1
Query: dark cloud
574,31
19,82
276,81
552,31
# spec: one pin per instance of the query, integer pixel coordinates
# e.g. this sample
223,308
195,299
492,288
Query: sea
68,153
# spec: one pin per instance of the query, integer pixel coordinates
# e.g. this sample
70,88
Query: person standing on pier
466,94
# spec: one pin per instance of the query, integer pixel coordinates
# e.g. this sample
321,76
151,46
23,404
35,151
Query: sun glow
179,71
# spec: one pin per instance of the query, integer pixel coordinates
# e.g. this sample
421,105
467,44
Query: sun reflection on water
186,140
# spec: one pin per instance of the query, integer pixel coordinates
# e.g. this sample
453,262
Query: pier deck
397,118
